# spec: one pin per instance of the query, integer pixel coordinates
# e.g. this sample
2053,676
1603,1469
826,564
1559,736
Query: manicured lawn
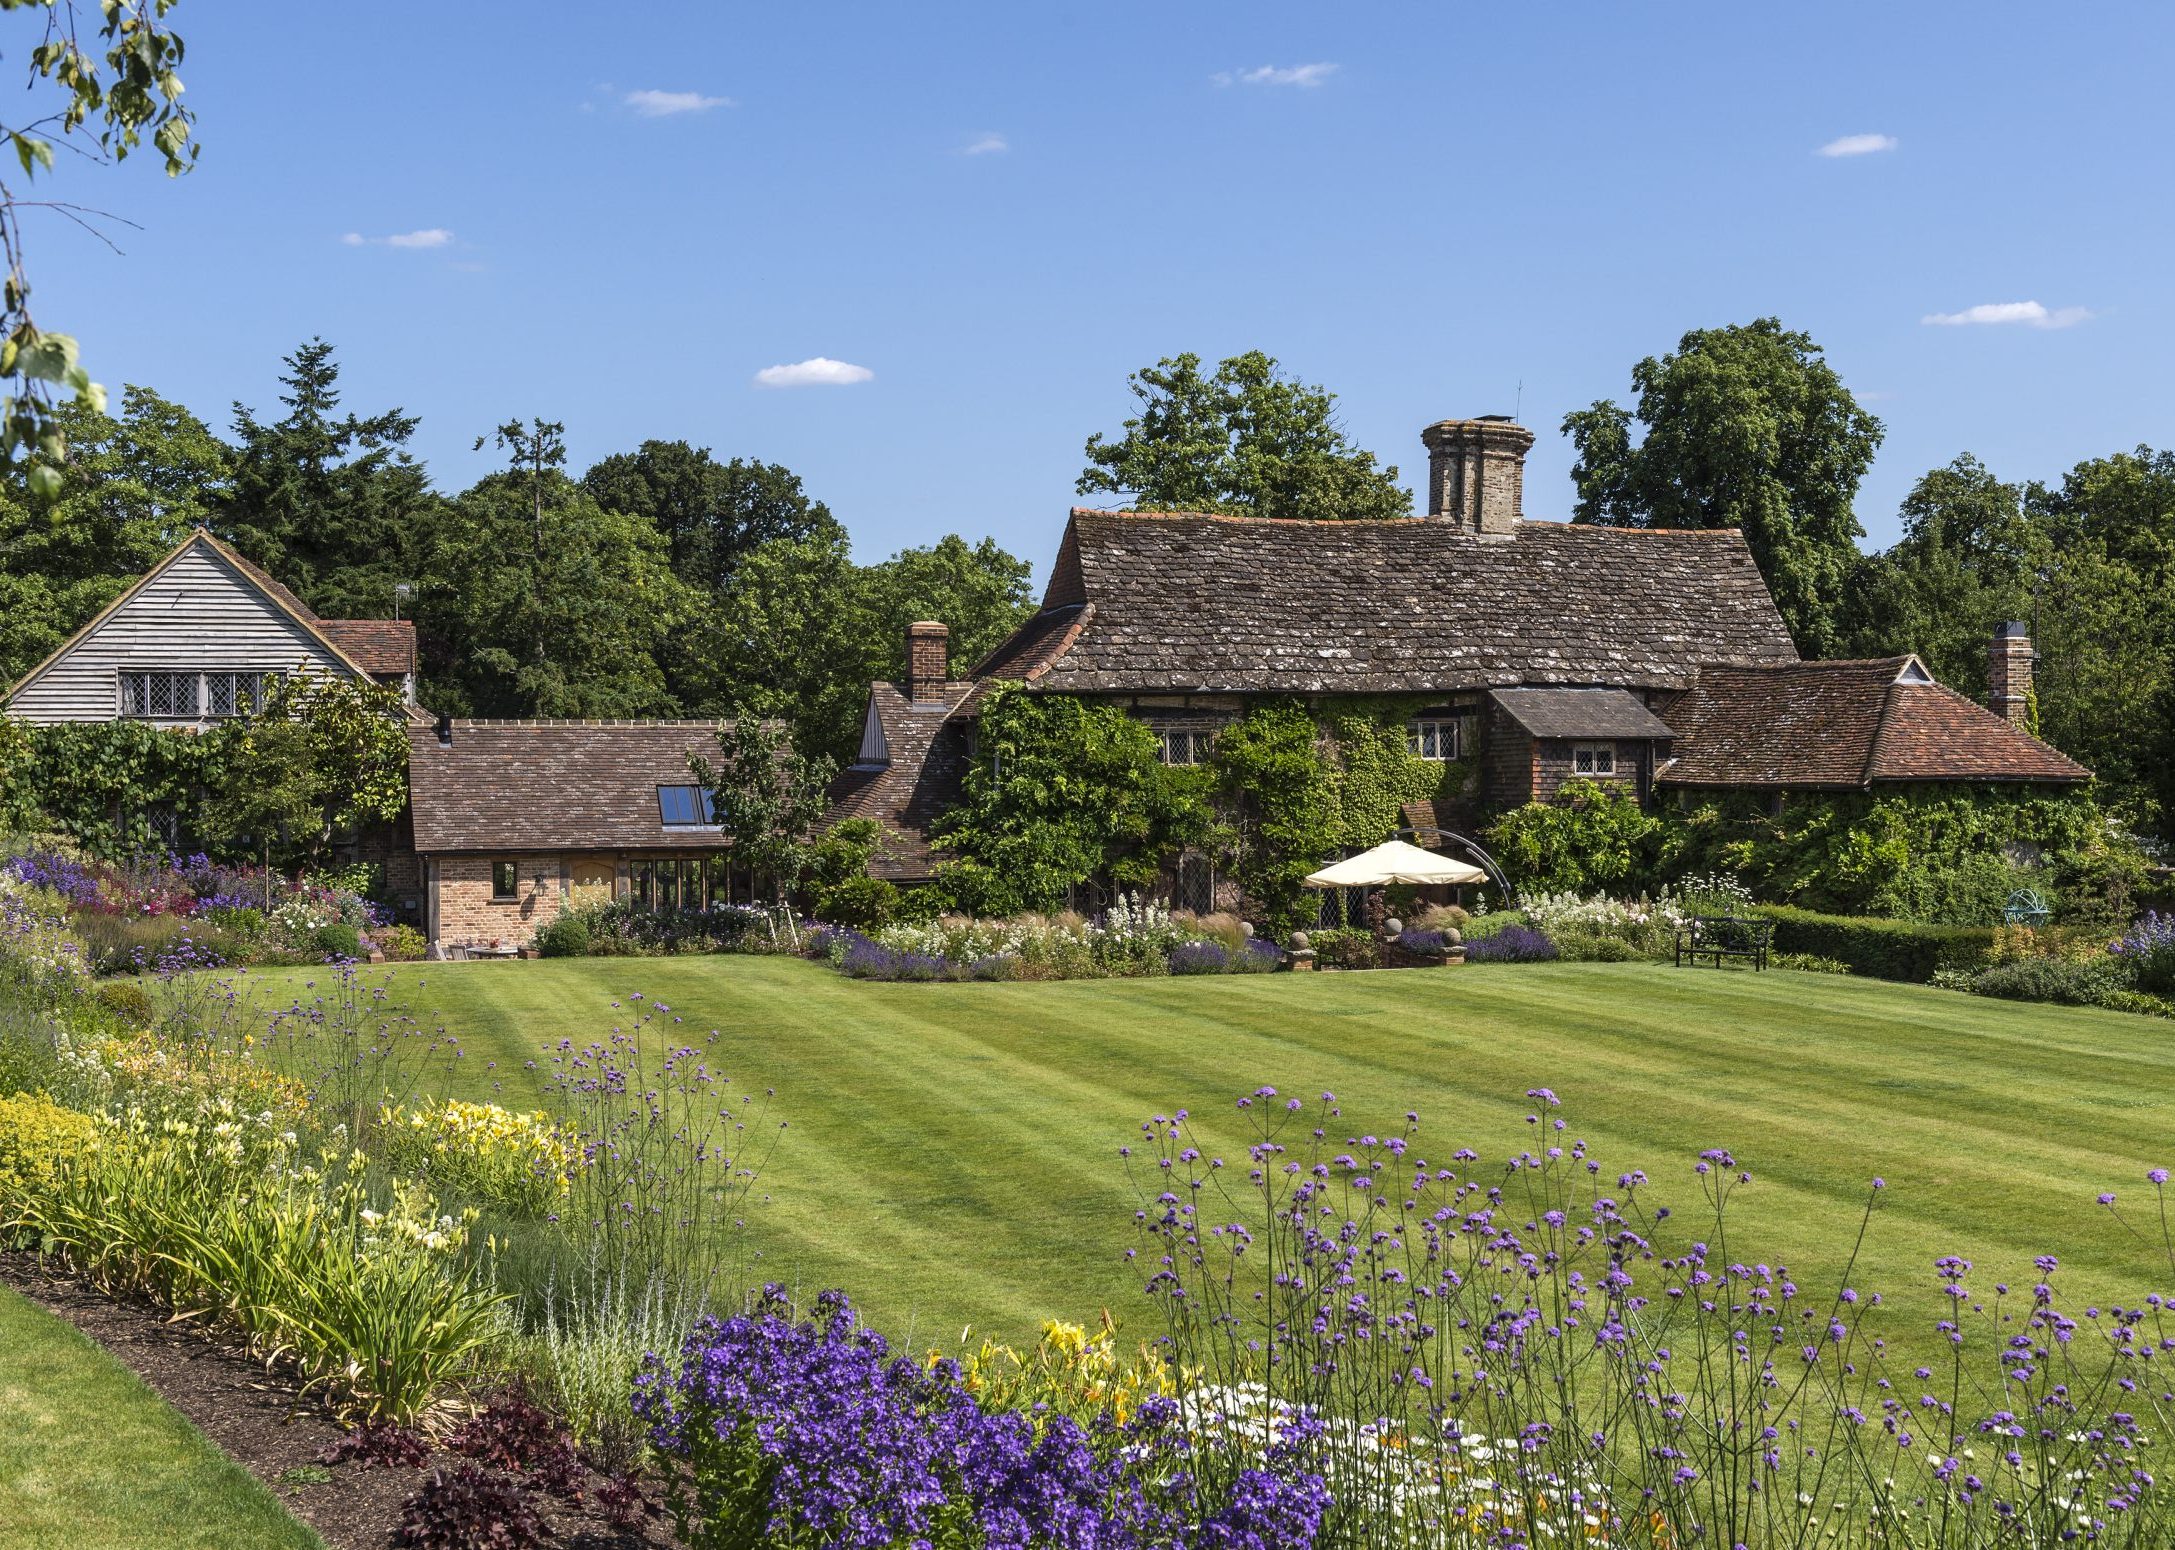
952,1156
93,1460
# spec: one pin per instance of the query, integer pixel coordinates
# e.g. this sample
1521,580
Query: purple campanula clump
809,1432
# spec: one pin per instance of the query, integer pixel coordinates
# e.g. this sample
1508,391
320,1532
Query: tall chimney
2009,673
1476,472
928,660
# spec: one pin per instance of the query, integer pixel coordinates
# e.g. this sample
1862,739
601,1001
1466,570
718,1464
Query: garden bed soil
263,1421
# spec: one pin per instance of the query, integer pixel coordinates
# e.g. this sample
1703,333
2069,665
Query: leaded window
159,696
1593,758
1196,890
1434,737
1185,745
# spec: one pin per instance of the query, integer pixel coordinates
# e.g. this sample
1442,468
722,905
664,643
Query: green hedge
1880,949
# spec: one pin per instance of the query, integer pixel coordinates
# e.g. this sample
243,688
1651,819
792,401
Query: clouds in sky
816,371
2029,313
1277,75
428,237
1860,145
990,144
670,104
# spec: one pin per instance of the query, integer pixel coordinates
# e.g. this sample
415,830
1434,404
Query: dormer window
685,807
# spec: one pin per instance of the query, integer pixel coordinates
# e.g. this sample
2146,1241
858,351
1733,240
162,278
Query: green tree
1745,427
788,639
322,755
978,590
132,487
330,503
106,98
710,513
769,799
1244,439
535,601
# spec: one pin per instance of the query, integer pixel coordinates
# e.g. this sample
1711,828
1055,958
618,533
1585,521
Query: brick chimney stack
928,660
1476,472
2009,673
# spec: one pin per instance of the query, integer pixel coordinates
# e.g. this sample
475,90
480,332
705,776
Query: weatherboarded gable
197,611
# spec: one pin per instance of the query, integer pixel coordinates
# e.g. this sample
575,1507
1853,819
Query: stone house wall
466,915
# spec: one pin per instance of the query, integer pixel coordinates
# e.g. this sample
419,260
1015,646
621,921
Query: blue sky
622,216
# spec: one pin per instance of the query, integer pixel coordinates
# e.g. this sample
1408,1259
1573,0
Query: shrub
1594,835
38,1138
1578,947
1337,949
862,903
565,936
2058,980
513,1432
1422,942
401,944
1199,958
1882,949
1512,944
128,1002
338,941
469,1509
1811,963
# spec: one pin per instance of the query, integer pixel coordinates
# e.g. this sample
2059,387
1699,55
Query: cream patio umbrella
1395,862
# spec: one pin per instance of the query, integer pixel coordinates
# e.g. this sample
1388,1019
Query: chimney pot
2009,673
444,728
1476,472
928,660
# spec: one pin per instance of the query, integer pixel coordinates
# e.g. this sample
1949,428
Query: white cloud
1277,75
990,144
1860,145
2029,313
816,371
666,104
428,237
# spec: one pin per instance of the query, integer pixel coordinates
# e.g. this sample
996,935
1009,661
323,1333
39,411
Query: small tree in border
319,755
768,799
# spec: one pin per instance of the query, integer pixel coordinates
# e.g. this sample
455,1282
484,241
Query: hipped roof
1847,724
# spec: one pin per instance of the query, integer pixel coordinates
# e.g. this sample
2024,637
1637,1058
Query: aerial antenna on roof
1519,402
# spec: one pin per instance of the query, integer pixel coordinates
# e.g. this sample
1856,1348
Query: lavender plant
1530,1352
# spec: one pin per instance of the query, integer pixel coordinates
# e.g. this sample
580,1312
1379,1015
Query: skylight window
685,807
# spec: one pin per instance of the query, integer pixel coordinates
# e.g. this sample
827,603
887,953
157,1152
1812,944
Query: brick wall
467,916
1506,761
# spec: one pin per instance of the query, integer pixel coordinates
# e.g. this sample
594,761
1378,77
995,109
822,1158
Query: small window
1185,745
685,807
1196,890
505,881
1593,758
233,694
1433,737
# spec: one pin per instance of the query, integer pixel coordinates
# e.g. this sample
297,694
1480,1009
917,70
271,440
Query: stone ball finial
1300,941
1393,926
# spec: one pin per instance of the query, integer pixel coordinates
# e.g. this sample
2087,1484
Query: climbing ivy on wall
103,782
1064,790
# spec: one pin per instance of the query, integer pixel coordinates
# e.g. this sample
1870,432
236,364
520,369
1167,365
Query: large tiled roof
1846,724
921,781
1581,713
1149,602
509,786
384,648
